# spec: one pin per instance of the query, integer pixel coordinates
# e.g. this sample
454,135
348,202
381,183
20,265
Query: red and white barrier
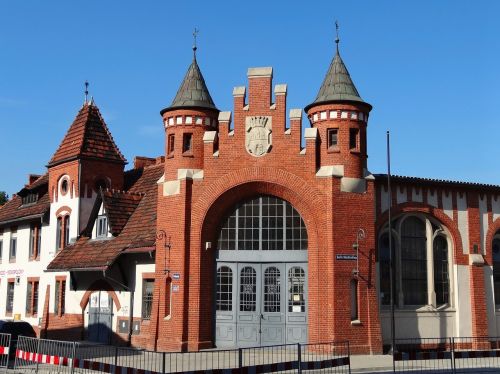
4,351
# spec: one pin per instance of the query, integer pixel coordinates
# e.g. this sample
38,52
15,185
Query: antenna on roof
86,91
337,39
195,35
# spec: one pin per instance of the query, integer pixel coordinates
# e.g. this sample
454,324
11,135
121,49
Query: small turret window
187,143
171,145
64,186
333,138
353,139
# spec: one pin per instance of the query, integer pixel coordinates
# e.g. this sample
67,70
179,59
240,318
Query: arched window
422,263
441,277
272,290
264,223
248,289
414,261
496,268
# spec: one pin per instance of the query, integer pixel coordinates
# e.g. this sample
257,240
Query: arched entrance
261,275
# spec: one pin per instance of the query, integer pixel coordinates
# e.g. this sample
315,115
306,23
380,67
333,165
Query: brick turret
341,117
191,113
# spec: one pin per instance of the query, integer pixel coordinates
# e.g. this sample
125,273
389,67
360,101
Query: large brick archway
210,210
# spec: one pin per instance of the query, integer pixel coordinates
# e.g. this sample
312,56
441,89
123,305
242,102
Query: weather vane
86,91
195,35
337,39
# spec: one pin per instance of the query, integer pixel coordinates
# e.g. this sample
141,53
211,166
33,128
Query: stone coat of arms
258,135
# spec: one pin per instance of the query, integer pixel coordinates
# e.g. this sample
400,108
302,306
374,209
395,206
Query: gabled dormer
110,213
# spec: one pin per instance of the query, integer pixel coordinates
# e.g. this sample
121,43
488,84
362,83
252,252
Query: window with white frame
422,253
102,226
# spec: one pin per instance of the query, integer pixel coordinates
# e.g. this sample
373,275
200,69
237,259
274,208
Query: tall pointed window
422,263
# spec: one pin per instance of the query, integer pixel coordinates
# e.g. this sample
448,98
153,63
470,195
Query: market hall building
244,235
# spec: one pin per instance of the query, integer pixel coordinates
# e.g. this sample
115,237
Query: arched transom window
423,261
264,223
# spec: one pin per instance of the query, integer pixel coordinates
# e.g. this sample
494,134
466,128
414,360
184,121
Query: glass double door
260,304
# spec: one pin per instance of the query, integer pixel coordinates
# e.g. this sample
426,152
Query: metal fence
447,355
47,356
4,350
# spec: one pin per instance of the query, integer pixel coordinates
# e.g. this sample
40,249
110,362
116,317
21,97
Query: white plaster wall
432,198
401,196
462,301
490,300
448,204
495,206
415,324
483,222
140,269
384,199
463,221
417,195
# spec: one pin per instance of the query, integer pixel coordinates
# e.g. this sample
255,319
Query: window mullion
260,223
429,241
284,224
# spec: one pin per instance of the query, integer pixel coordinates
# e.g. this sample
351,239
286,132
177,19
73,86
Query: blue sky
429,68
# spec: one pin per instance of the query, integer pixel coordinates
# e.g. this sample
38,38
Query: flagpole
391,250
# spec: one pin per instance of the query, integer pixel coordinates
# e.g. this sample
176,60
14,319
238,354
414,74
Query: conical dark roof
337,85
193,91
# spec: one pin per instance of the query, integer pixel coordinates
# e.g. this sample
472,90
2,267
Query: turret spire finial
195,35
337,39
86,91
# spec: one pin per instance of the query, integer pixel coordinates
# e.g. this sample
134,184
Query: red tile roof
139,232
87,137
14,210
119,206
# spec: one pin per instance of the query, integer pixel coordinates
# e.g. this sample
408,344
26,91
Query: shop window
32,298
9,304
147,297
60,297
35,241
332,138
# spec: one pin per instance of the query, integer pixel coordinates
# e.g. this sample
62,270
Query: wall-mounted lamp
360,235
162,235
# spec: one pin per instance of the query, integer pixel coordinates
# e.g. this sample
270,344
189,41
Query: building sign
175,288
346,257
12,272
176,276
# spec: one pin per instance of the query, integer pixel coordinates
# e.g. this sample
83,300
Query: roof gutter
21,219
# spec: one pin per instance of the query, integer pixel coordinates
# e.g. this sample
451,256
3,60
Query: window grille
263,223
272,290
296,284
147,298
224,300
248,289
10,298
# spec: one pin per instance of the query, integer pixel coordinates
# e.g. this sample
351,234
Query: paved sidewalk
371,363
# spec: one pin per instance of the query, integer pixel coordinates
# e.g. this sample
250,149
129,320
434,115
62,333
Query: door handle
261,316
